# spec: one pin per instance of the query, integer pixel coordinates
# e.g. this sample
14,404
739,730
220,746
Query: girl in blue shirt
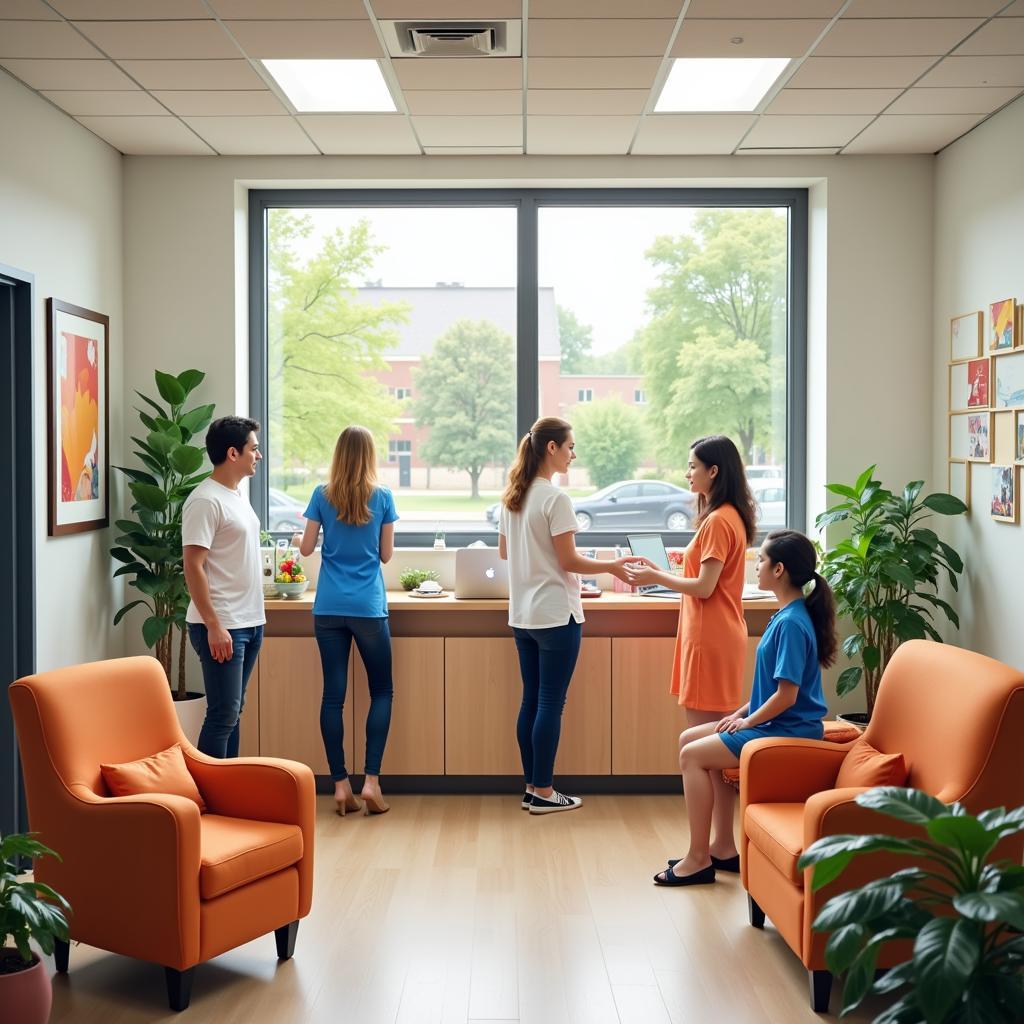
358,519
786,699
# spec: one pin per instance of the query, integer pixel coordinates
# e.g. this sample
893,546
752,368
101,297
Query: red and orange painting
79,418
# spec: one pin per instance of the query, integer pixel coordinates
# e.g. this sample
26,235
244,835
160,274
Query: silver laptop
650,545
480,572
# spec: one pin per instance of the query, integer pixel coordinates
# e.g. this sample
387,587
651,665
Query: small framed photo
77,417
965,336
1003,315
970,437
978,376
1009,374
1004,506
1018,445
959,478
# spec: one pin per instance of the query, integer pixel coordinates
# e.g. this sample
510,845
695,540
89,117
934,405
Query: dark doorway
404,470
17,591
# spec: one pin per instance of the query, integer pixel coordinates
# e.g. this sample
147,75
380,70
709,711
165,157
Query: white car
770,496
764,472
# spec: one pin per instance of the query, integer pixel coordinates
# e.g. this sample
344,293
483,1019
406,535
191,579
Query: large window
446,322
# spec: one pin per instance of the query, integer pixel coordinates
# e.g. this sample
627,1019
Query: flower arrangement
675,561
290,571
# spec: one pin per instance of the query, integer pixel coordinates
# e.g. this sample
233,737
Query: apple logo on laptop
489,573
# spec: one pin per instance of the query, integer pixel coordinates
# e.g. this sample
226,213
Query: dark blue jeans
334,636
225,683
547,658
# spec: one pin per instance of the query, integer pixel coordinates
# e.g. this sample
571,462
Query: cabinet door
290,689
249,722
483,691
416,738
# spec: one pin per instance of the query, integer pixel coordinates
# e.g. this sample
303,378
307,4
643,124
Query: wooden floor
460,909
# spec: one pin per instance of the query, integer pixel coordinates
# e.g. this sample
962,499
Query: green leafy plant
412,578
28,910
885,576
150,543
964,914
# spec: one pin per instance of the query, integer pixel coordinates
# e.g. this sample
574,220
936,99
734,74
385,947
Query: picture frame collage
986,406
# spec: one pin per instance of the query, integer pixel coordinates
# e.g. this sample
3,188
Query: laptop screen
649,545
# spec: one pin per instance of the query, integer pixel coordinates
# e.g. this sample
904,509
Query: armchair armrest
788,770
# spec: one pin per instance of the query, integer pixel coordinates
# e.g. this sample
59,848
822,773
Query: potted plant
28,911
964,914
412,578
150,543
886,575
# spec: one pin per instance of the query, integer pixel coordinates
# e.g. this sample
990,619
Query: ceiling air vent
453,38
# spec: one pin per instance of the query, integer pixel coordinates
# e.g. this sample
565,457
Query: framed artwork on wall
1004,504
965,336
77,415
978,376
1009,388
1018,447
1001,335
959,387
959,481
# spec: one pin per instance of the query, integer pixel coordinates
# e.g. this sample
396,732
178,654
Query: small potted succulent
29,911
291,577
412,578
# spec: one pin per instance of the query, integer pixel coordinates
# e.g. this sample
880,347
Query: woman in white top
545,611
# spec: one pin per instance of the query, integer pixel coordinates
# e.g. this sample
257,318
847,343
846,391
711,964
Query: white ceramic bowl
291,589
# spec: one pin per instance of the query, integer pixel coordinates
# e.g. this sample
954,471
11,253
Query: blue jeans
225,683
334,635
547,658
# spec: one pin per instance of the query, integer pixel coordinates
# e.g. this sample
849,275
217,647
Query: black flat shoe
703,877
731,864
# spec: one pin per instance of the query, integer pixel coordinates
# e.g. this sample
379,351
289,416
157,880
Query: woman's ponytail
800,559
529,457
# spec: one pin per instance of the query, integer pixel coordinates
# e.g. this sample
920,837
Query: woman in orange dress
711,642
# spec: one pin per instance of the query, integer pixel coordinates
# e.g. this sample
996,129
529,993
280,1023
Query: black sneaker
556,802
527,800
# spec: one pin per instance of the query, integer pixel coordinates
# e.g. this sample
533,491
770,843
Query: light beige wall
979,223
60,219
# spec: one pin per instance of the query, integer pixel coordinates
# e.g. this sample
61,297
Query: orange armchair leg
285,938
821,990
179,988
755,912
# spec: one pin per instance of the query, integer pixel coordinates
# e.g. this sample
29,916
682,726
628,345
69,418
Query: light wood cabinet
416,738
585,747
290,689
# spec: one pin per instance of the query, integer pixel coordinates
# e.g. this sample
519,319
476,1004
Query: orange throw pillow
865,766
165,772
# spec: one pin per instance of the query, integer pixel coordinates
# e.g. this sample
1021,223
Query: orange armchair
148,876
957,718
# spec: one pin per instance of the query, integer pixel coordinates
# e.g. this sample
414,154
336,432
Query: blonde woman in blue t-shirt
358,517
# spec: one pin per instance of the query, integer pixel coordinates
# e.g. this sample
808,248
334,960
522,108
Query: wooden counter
457,693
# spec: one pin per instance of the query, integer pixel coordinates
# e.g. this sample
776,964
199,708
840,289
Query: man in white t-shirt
220,536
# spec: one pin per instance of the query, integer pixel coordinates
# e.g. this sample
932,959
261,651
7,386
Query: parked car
284,512
764,472
637,504
493,514
770,496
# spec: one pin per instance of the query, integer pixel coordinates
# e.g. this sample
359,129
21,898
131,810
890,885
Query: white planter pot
191,713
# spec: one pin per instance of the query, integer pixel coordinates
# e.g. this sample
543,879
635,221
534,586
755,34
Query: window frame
527,203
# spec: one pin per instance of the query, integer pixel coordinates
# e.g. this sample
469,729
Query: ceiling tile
194,74
858,72
541,9
448,102
222,103
922,8
338,134
291,11
712,37
789,151
144,136
253,136
756,8
1002,36
306,39
29,10
476,130
69,74
473,150
593,37
586,101
894,37
832,101
131,10
691,134
953,101
110,102
976,71
417,10
592,72
452,73
48,39
811,130
140,40
917,133
590,135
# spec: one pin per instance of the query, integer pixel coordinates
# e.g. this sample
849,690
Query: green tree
466,394
324,345
718,307
574,340
610,437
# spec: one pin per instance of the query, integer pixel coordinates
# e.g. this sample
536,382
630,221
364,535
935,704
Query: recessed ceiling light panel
719,83
336,86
